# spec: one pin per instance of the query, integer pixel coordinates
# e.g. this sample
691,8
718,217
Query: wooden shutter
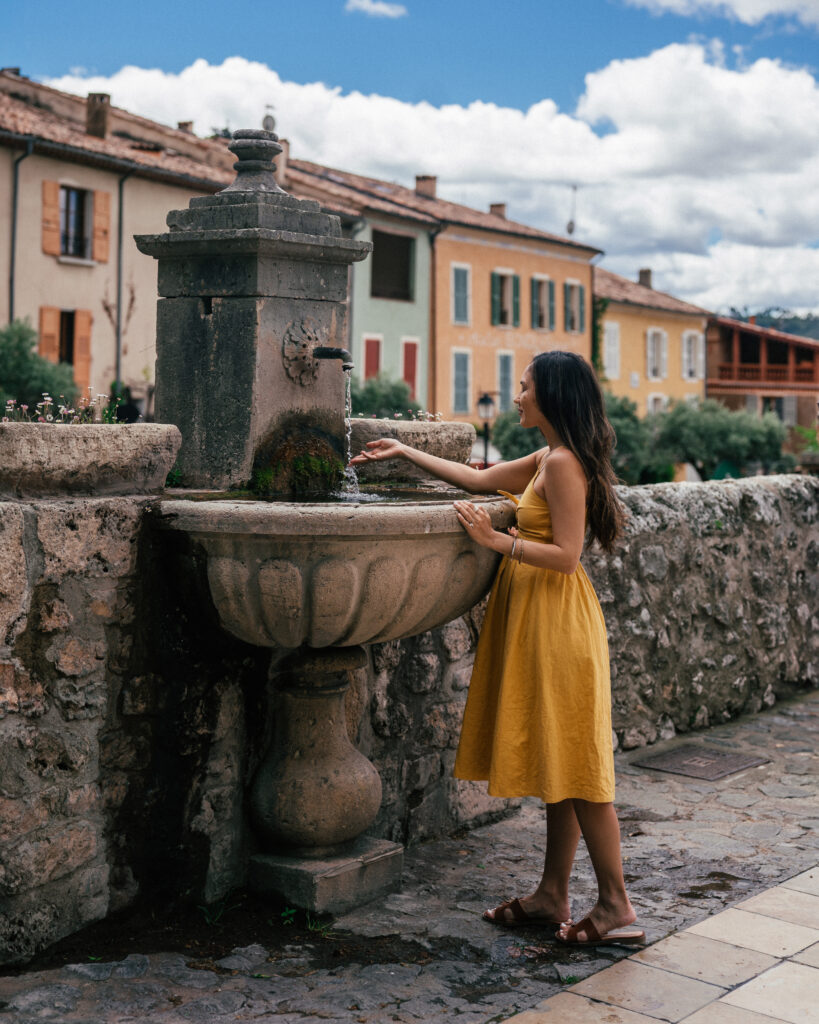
372,357
51,220
581,306
686,341
663,355
551,305
82,349
700,357
515,301
411,366
102,227
567,306
49,343
649,346
495,287
534,285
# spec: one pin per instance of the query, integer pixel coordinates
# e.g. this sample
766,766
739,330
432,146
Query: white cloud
376,8
705,172
749,12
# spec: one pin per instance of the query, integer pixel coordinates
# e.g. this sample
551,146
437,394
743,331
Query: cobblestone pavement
691,849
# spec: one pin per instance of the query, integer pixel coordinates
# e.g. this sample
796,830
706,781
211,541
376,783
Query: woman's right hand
383,448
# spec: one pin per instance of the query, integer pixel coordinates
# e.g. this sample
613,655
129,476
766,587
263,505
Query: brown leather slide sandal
627,937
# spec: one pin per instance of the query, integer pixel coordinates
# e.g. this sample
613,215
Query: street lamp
486,411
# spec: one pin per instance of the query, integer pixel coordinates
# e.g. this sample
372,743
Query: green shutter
582,309
567,300
534,303
551,305
496,298
516,301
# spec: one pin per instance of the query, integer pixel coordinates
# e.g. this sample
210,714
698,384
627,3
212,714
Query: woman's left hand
475,520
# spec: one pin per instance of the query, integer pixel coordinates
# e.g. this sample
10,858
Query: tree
722,442
382,396
25,375
638,457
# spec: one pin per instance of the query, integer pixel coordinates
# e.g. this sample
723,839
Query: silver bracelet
520,553
514,545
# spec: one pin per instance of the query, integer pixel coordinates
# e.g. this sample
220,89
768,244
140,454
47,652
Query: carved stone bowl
285,574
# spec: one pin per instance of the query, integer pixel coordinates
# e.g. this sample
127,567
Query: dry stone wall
131,724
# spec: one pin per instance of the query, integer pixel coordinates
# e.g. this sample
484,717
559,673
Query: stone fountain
250,366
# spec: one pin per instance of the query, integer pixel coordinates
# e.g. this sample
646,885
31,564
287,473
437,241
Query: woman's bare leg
551,898
601,832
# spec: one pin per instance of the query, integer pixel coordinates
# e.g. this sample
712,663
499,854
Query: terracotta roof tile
619,289
769,332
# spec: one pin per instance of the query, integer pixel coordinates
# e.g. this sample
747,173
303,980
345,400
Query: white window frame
574,304
655,397
468,353
410,340
660,363
468,268
693,355
511,355
543,279
611,341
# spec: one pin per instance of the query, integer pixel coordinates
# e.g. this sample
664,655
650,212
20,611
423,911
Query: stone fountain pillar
253,283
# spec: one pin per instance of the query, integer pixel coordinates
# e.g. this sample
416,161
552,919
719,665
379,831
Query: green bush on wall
24,375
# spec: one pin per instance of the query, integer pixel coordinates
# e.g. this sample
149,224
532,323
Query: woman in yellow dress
538,715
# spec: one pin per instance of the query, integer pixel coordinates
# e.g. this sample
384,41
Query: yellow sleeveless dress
538,714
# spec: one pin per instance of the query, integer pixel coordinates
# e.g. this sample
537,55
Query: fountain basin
286,574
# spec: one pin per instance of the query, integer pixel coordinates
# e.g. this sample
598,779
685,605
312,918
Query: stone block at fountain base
330,885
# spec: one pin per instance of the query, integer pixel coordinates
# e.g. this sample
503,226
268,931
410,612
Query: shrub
25,375
382,396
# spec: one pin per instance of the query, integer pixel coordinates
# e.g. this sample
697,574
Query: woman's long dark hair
568,395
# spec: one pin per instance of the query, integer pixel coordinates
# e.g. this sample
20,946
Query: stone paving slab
694,852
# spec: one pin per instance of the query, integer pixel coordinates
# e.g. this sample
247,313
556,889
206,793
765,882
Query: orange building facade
499,298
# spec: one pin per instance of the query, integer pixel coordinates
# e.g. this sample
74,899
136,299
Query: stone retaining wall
131,724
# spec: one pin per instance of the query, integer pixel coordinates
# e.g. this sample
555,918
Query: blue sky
442,51
690,126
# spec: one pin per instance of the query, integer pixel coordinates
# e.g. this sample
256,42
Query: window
693,355
657,402
391,266
506,380
461,384
505,289
372,357
574,307
65,337
543,304
409,364
656,354
74,240
611,349
460,294
75,222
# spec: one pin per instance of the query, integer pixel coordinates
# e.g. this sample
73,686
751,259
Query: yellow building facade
500,297
652,345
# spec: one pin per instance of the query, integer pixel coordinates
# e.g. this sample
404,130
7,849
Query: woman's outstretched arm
506,476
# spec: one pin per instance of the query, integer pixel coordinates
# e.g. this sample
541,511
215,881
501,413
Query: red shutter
82,349
372,357
102,226
49,344
411,365
51,219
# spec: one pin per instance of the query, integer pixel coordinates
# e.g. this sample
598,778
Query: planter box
97,459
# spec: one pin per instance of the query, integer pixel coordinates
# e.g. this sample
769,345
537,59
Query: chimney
97,109
280,174
752,320
185,126
644,277
425,185
498,209
10,71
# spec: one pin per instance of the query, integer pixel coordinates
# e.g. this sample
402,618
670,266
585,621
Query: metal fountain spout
326,352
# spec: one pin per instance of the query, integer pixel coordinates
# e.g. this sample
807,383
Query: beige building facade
652,345
82,178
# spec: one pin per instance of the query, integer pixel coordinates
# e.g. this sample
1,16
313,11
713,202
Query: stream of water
350,486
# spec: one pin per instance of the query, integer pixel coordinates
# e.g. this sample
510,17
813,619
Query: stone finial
255,150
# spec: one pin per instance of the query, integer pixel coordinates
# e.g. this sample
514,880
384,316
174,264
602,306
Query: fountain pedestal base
332,884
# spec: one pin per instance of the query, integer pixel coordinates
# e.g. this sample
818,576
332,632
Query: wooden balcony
780,375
